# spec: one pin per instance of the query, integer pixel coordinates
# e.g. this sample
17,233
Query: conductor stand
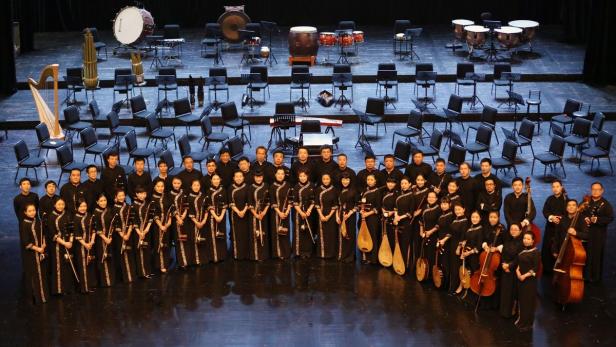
343,80
270,27
250,79
518,101
303,79
491,52
412,35
510,77
345,39
476,77
213,82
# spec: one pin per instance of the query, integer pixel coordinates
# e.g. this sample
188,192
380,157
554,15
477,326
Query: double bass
531,226
483,282
569,265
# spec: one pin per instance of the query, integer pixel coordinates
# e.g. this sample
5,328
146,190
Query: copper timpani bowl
458,27
476,35
509,37
529,29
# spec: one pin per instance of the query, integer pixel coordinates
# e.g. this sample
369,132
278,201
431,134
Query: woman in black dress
453,192
472,239
122,239
509,253
281,196
493,236
217,227
61,241
144,218
457,229
444,235
429,229
259,224
35,262
370,205
553,211
198,214
303,228
405,209
388,210
526,271
420,193
326,205
347,200
161,229
85,236
106,221
181,206
239,197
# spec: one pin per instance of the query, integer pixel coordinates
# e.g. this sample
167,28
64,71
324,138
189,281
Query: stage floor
294,303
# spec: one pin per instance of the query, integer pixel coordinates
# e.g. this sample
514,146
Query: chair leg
563,167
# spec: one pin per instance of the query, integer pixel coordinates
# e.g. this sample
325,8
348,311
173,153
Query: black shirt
413,170
226,172
515,208
468,191
321,167
71,194
363,174
134,180
92,190
187,178
113,179
338,172
21,201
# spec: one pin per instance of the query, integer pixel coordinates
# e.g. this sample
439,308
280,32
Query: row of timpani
516,33
341,38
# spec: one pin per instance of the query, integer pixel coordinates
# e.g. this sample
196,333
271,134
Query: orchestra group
112,227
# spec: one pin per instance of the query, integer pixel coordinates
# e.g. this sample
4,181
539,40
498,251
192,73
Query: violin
483,282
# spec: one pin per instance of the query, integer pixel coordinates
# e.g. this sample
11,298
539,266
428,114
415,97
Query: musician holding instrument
390,172
369,207
554,210
457,229
420,192
347,211
281,204
123,249
417,166
144,216
489,199
63,273
429,218
180,211
161,229
35,255
195,224
489,262
85,236
515,205
388,209
439,179
580,230
303,203
445,219
509,257
472,239
453,192
105,226
259,225
601,214
468,188
217,227
403,218
526,271
239,196
326,205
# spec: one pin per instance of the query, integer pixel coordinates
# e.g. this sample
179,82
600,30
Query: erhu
281,229
161,233
126,223
181,212
259,222
144,224
67,256
91,226
199,212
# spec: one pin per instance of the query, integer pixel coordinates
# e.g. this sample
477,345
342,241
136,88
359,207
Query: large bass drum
132,24
232,21
304,41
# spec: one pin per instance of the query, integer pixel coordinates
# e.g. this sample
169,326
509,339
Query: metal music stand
412,35
426,77
342,78
218,41
154,41
492,51
302,78
510,77
270,27
126,80
213,82
165,80
249,79
362,139
518,100
476,77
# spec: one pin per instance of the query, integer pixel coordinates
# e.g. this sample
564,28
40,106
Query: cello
569,265
483,282
531,226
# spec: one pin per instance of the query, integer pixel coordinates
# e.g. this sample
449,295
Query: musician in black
105,220
406,207
453,192
343,170
217,228
457,229
113,176
303,203
24,198
189,174
48,200
439,179
225,167
601,214
206,179
488,200
180,212
85,236
325,164
261,164
553,211
92,187
526,271
326,205
281,204
161,229
429,226
418,167
444,235
163,175
509,263
278,163
471,241
138,178
259,203
123,244
486,174
369,169
564,227
72,191
493,239
420,192
390,171
467,188
303,163
60,236
347,200
369,207
198,214
239,197
35,259
516,203
388,209
244,166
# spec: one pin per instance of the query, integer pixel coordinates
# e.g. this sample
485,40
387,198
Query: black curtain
7,52
600,60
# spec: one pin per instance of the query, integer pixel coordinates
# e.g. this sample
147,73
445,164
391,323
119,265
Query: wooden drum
458,27
303,41
509,37
476,35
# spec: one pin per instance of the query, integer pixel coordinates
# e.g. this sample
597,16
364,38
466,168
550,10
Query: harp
51,119
90,68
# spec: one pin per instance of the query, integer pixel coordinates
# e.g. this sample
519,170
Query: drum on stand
303,44
231,22
132,24
265,52
475,36
509,37
529,29
358,36
327,39
458,28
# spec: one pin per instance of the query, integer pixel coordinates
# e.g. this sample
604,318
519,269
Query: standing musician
85,235
554,210
324,164
195,224
471,239
439,179
244,166
189,174
418,167
105,225
303,163
429,226
467,187
343,169
72,191
261,164
404,214
444,234
259,206
278,164
124,217
488,199
509,256
239,197
163,175
138,178
210,171
217,228
113,176
92,187
35,256
25,197
526,271
225,167
326,204
601,214
579,230
161,229
388,210
370,169
390,171
180,209
369,208
144,216
453,192
457,230
515,205
48,200
60,235
486,174
281,204
492,243
420,192
347,209
303,203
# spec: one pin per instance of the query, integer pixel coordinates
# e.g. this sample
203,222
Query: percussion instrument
303,41
529,28
265,52
327,39
358,36
458,27
509,37
475,35
345,39
254,41
399,37
231,21
132,24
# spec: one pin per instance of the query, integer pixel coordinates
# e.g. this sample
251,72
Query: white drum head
128,25
303,29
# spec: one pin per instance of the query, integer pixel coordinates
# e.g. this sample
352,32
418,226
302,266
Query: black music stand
412,35
342,78
165,80
476,77
342,58
154,41
213,82
249,79
362,139
217,43
282,121
126,80
518,100
426,77
510,77
302,78
270,27
249,56
492,51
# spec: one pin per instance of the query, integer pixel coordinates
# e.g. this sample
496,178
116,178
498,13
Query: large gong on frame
230,24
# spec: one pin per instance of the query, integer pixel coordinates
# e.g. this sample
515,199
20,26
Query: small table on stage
316,141
330,124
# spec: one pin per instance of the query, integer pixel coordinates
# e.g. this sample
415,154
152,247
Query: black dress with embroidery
216,234
62,276
124,250
303,229
371,197
161,239
281,197
327,202
35,264
106,221
196,239
388,205
259,229
239,197
85,264
347,200
405,207
144,218
457,229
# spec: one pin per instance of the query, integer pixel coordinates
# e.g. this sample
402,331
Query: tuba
50,118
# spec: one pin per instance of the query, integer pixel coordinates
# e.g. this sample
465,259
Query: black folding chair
551,157
25,161
601,150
